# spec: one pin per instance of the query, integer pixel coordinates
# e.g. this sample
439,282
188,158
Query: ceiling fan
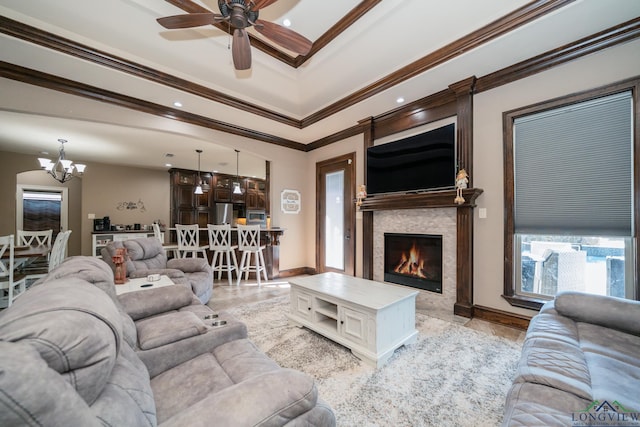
241,14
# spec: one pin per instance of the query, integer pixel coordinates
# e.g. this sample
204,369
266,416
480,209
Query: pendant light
236,185
198,189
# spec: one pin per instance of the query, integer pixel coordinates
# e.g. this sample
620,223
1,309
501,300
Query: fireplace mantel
430,199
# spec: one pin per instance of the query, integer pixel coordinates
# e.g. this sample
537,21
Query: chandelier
62,169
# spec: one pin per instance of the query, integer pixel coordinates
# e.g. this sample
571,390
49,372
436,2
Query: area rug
452,375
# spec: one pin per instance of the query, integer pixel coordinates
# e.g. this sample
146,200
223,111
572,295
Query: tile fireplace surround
432,212
439,221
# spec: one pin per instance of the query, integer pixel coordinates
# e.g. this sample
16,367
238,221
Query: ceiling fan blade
241,50
285,37
259,4
189,20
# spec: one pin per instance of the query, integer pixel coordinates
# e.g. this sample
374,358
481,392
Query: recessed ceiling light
177,104
286,22
400,100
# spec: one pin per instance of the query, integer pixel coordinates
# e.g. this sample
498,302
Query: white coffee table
142,284
370,318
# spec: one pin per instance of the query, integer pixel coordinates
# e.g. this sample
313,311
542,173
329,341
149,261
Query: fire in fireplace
413,260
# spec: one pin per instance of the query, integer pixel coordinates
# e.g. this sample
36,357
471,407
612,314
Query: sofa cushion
142,254
89,269
150,302
218,385
277,399
127,399
93,272
76,329
168,328
614,363
556,364
32,394
195,379
530,404
615,313
242,360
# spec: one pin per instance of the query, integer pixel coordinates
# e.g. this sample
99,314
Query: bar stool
249,243
220,245
167,248
189,241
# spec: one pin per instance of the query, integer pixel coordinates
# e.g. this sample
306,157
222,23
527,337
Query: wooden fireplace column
458,101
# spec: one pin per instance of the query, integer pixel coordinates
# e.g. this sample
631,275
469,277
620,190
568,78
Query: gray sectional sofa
73,353
146,256
580,364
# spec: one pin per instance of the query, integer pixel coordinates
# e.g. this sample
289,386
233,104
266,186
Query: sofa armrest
189,265
275,398
150,302
611,312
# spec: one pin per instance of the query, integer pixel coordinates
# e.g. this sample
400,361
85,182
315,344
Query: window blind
573,169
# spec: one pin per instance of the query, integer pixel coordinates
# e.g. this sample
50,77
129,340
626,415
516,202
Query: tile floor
225,296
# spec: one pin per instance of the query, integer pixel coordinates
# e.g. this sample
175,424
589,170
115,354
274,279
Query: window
569,198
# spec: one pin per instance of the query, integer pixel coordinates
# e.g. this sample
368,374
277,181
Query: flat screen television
418,163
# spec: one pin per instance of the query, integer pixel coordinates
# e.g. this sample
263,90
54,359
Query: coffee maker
102,224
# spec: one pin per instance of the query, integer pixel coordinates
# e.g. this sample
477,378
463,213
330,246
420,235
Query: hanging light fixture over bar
62,169
236,185
198,189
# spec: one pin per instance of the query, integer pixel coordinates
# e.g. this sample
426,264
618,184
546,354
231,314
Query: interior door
335,223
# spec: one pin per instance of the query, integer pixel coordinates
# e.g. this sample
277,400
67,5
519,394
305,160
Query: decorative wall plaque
290,201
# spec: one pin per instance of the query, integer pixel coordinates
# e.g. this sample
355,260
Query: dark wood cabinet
186,206
222,189
256,197
190,208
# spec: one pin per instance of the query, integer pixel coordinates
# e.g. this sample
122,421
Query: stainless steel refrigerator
224,213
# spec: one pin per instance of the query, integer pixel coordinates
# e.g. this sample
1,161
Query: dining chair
220,245
189,241
249,244
34,238
56,256
173,249
12,283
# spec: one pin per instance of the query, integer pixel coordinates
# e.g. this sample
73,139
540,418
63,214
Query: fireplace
413,260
